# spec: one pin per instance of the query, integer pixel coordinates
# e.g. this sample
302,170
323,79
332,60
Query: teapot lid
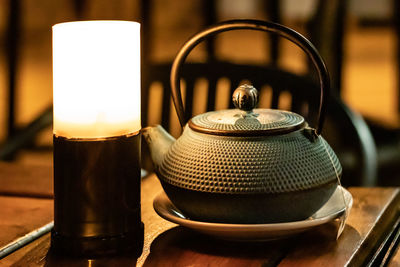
247,121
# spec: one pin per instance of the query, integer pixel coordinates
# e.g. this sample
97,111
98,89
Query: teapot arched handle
281,30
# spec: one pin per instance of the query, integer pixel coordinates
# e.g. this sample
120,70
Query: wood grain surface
166,244
26,180
373,212
19,216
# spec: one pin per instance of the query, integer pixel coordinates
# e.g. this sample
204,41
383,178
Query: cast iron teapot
246,165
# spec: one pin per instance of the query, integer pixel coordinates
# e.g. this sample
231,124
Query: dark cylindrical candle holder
96,126
97,196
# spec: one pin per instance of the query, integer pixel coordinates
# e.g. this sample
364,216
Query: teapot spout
158,141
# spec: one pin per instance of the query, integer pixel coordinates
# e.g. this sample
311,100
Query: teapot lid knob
245,97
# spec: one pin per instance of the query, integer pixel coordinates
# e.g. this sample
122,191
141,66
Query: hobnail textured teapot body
249,179
247,165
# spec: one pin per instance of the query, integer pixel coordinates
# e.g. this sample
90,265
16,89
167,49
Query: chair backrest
344,130
268,80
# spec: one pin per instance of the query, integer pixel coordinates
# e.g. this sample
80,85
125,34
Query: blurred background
359,39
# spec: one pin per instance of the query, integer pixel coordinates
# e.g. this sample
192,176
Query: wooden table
370,234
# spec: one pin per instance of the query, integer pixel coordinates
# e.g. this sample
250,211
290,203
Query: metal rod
24,240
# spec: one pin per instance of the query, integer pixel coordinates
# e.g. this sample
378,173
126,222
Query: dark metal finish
249,121
244,165
267,132
97,196
256,208
283,31
245,179
258,122
245,97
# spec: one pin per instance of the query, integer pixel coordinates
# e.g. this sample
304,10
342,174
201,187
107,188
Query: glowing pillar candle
96,78
96,99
